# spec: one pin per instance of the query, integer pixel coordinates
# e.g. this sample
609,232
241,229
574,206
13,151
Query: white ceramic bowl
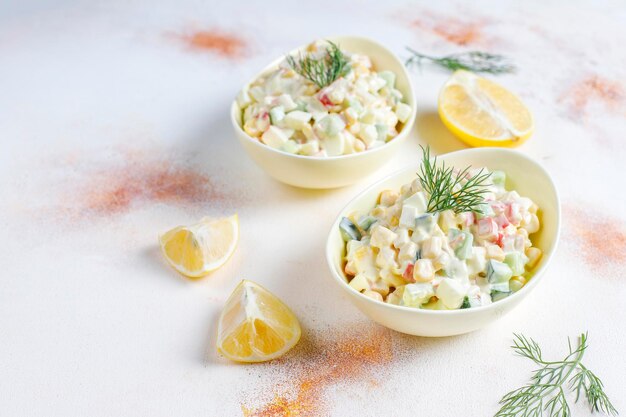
336,171
524,175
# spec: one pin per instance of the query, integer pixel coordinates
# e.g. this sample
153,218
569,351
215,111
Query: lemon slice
203,247
483,113
255,326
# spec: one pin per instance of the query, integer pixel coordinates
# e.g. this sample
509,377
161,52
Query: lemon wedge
255,326
483,113
203,247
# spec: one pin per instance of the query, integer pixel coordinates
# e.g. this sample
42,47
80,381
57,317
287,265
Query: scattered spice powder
347,357
601,240
139,179
221,43
453,30
594,89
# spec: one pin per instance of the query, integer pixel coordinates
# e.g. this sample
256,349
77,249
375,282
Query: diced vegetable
290,146
275,137
516,283
451,293
534,255
431,248
516,262
466,303
277,114
497,295
498,272
403,111
461,241
366,222
297,119
381,131
331,125
348,230
389,77
382,237
485,210
423,270
498,178
417,294
425,222
360,283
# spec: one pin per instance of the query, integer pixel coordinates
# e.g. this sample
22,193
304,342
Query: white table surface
96,95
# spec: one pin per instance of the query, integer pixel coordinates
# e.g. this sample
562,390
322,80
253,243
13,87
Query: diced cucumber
425,222
498,178
389,77
501,286
466,303
464,249
366,222
498,272
348,230
497,295
415,295
515,261
290,146
381,131
355,104
301,105
484,210
403,112
277,114
331,125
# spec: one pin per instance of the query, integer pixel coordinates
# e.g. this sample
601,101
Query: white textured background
102,93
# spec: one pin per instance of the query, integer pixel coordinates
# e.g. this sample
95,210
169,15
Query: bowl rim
404,132
496,305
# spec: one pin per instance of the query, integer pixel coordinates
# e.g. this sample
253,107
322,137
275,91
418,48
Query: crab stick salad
400,253
326,102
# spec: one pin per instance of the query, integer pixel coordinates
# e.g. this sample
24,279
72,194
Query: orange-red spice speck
592,89
216,41
453,30
601,240
116,189
346,358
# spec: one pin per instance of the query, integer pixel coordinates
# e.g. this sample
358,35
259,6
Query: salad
325,102
405,252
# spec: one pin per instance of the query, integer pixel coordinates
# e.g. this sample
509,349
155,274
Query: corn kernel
423,271
534,255
373,295
516,283
495,252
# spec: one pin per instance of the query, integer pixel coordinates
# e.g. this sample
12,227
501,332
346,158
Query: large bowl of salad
450,245
327,114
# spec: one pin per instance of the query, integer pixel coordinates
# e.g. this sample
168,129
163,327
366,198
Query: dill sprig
545,393
448,190
321,71
475,61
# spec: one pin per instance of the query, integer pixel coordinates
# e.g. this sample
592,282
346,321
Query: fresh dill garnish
475,61
321,71
545,393
450,190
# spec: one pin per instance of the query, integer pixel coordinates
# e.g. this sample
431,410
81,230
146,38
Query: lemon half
255,326
483,113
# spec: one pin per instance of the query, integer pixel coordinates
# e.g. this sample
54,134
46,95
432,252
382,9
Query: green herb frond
475,61
545,394
448,190
320,71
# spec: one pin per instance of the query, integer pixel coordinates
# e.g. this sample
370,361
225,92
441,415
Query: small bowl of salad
326,114
448,246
